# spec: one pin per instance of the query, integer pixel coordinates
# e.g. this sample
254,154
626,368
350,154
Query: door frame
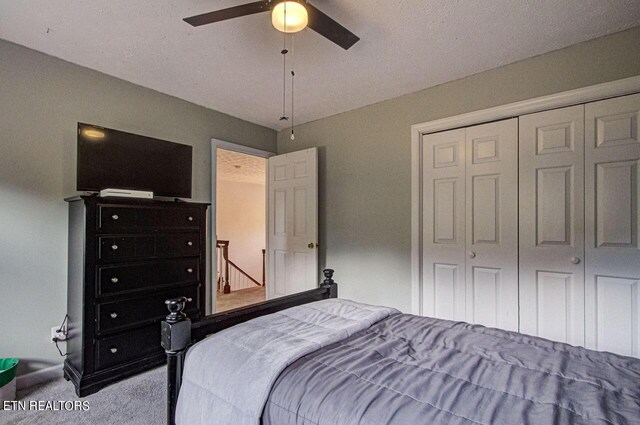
559,100
213,240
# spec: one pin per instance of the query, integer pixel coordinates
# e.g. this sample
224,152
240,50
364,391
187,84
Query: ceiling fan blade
229,13
327,27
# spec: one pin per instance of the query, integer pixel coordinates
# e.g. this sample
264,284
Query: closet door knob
472,254
115,216
190,243
575,260
113,315
113,350
190,218
189,270
114,280
114,247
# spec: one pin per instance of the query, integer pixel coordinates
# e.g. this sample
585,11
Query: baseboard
39,376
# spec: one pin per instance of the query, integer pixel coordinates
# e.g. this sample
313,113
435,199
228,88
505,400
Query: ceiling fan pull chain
284,64
293,74
284,52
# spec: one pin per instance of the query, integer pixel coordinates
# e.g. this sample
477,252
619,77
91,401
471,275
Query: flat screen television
112,159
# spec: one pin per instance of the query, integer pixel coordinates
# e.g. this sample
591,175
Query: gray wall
41,100
365,158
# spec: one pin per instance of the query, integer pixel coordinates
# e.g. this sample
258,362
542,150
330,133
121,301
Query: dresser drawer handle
190,243
115,216
190,218
113,350
114,247
113,315
189,270
114,280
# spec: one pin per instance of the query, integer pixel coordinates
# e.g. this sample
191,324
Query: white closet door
551,168
443,263
612,262
492,224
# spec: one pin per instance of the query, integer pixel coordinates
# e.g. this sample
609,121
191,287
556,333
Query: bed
314,359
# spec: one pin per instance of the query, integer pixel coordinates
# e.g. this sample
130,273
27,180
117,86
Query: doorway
238,226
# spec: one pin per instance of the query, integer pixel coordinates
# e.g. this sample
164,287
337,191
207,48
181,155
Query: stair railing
230,275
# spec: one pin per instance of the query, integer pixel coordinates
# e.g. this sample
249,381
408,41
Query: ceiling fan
287,16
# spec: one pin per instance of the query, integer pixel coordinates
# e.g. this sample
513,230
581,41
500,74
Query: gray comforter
410,370
229,375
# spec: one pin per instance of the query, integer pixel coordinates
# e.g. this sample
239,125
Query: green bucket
8,379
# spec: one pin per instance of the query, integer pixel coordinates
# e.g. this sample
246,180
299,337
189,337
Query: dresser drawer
116,218
173,217
118,314
178,245
113,279
122,218
115,247
127,346
128,247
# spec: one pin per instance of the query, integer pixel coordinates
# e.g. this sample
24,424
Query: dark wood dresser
126,257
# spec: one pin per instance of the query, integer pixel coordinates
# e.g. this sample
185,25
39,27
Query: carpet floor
140,400
240,298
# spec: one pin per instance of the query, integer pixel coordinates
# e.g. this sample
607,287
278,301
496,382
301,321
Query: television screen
112,159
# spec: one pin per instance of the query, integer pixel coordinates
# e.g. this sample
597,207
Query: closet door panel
551,225
612,262
443,262
491,224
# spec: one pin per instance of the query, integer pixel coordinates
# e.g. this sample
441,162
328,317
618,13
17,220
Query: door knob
311,245
575,260
472,254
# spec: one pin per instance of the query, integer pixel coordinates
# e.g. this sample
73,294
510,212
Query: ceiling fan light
297,17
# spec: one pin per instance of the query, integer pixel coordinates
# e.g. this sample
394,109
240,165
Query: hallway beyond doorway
240,298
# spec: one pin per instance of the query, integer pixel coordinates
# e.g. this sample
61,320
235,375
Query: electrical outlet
61,336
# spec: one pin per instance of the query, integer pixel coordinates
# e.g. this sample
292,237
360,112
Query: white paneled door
492,224
612,275
443,290
292,225
470,240
531,224
551,226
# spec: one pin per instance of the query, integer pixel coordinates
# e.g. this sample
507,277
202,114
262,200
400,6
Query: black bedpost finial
328,277
176,307
329,284
175,333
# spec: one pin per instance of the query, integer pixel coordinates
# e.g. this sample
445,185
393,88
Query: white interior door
612,285
443,262
492,224
292,224
552,224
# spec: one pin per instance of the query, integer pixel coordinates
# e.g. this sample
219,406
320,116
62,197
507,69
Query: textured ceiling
235,66
239,167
